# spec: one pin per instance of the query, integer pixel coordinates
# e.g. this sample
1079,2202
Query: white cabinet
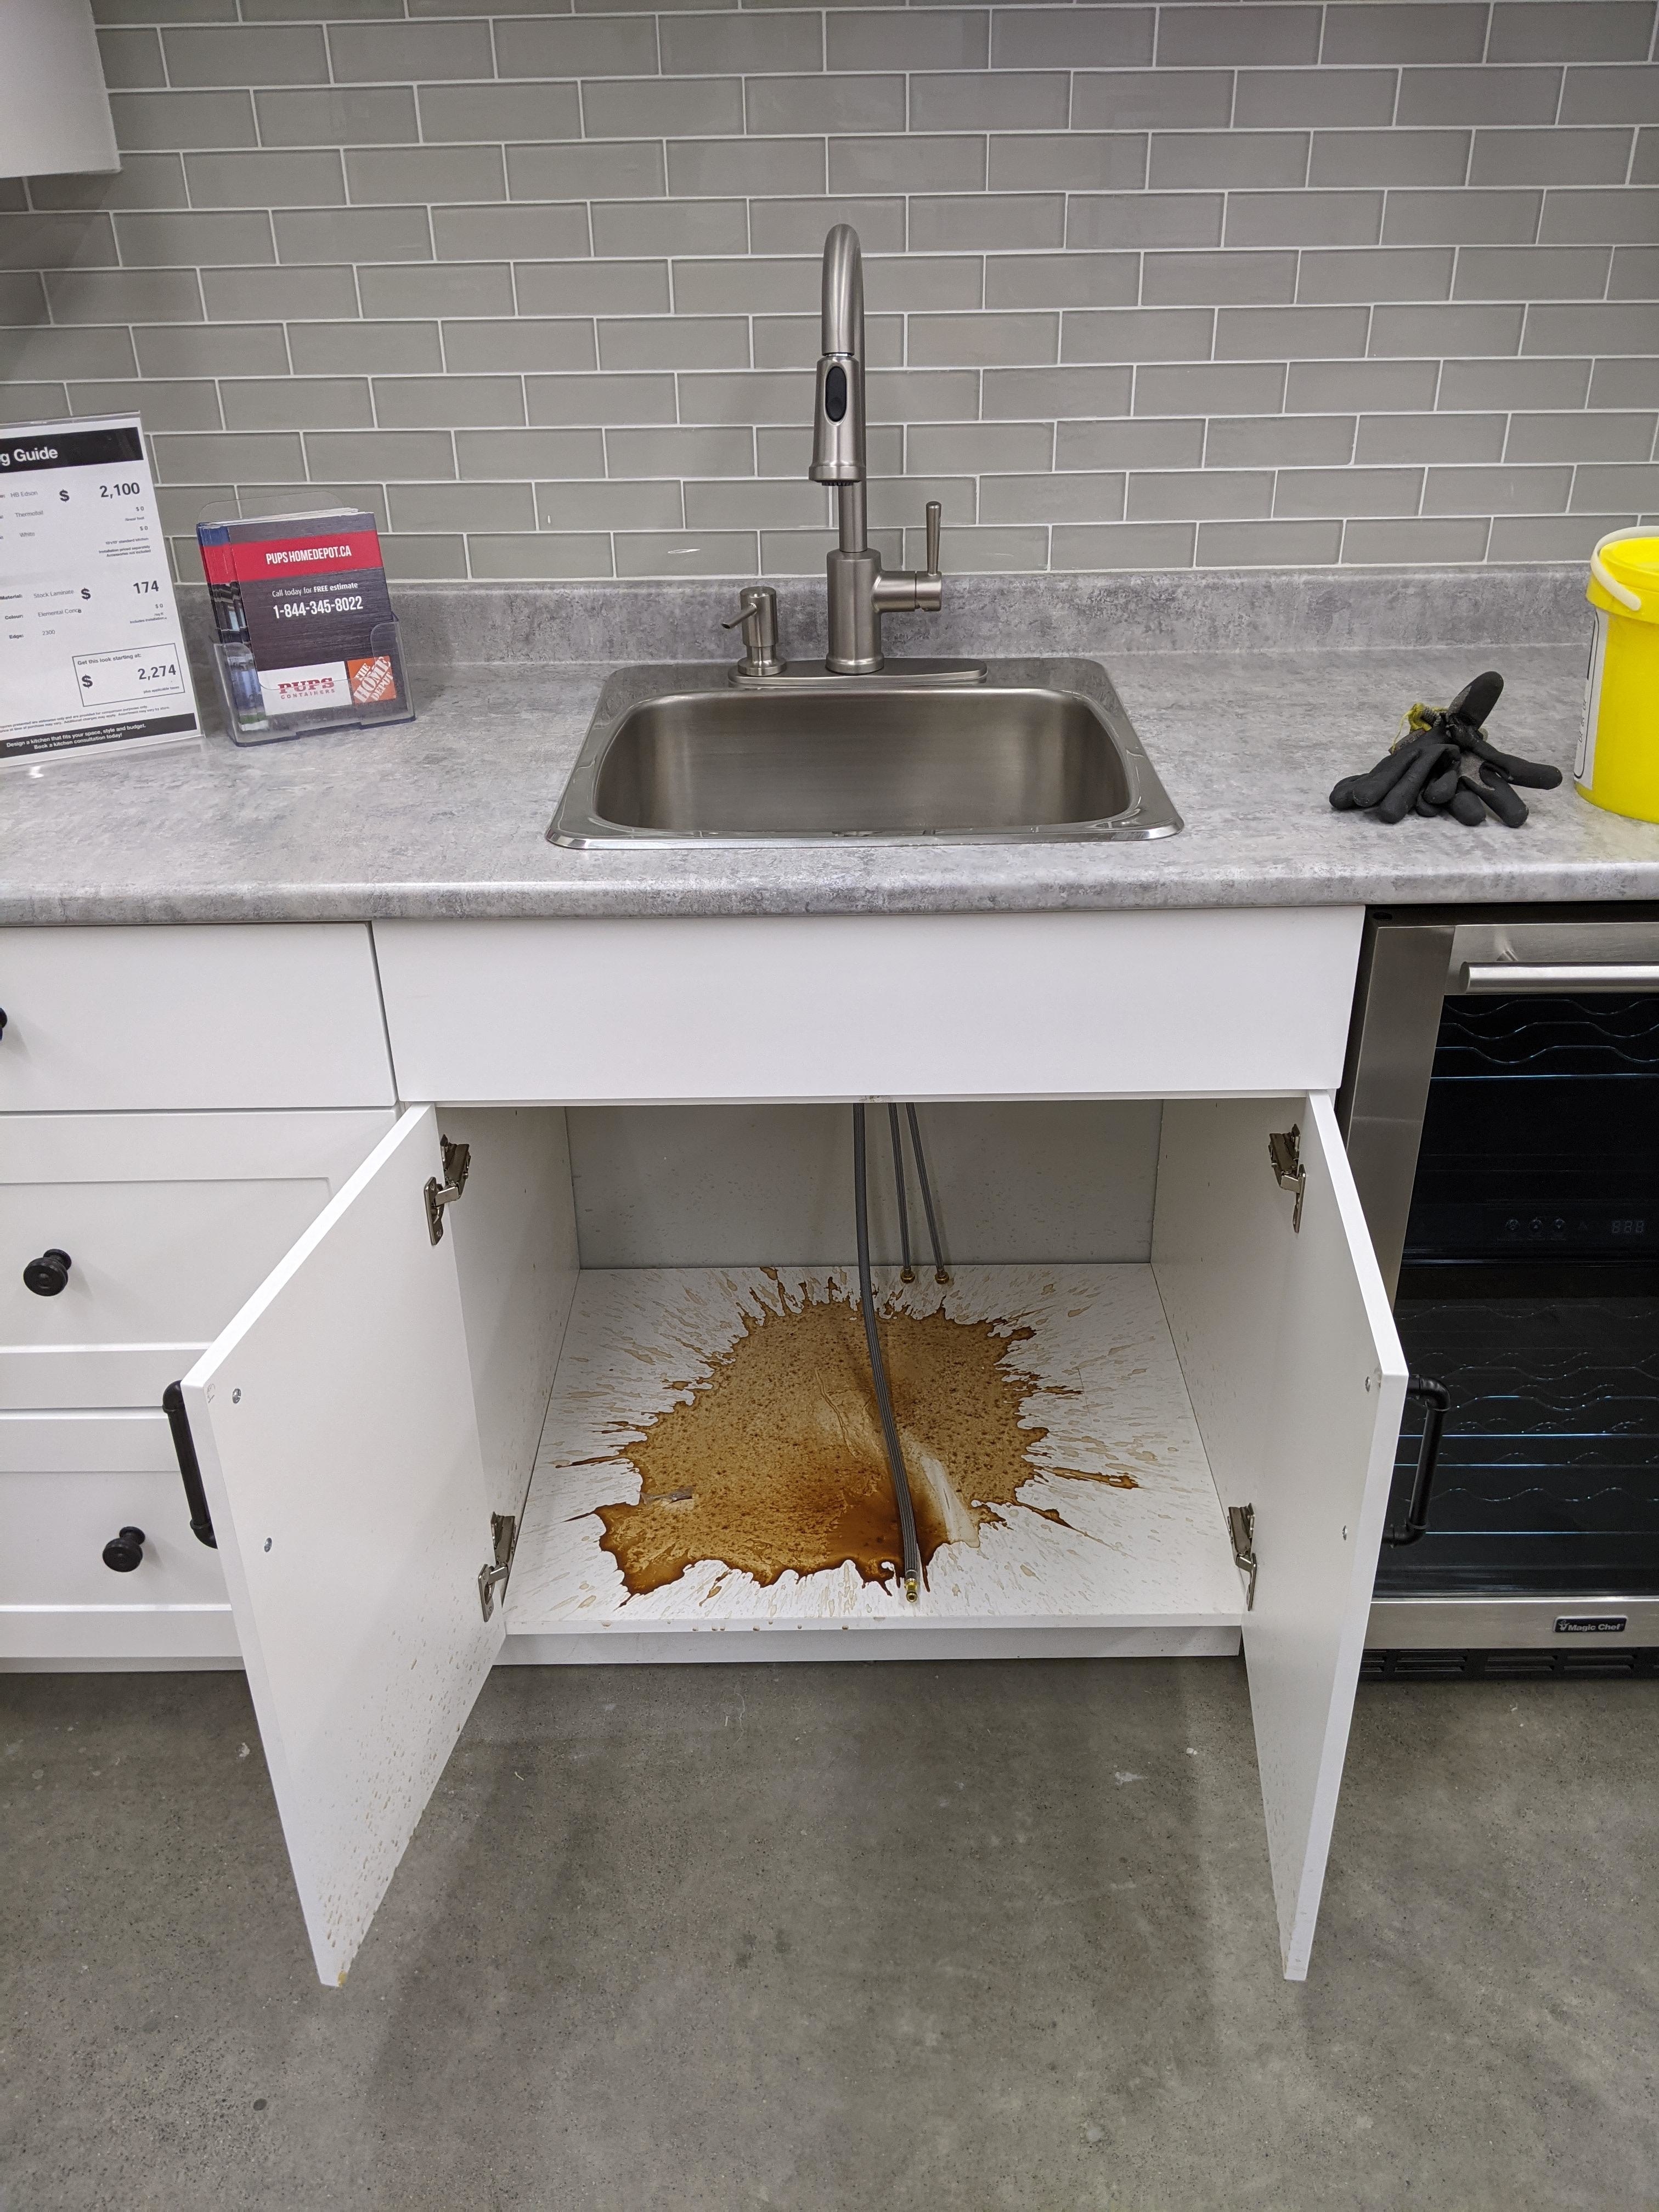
1192,1323
337,1420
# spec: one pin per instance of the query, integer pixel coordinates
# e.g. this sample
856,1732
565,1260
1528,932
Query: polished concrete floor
904,1937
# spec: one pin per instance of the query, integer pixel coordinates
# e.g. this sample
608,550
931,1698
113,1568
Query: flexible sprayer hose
878,1368
940,1273
906,1273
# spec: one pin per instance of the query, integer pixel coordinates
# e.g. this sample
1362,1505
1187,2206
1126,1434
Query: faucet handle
757,616
935,512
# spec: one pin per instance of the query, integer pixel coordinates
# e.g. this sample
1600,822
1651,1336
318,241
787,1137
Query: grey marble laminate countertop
448,816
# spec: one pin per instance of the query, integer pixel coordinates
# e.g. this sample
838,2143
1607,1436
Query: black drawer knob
47,1275
125,1552
2,1021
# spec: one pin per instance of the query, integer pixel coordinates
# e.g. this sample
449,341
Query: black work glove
1444,766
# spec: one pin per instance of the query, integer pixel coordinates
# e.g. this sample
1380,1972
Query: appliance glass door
1531,1288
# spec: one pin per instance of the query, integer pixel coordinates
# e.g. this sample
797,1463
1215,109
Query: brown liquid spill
777,1463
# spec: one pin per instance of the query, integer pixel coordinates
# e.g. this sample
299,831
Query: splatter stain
776,1462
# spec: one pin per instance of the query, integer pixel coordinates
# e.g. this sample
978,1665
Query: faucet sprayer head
838,417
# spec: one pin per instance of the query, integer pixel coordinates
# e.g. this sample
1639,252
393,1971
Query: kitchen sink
1041,752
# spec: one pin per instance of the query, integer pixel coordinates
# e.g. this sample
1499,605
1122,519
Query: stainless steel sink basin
1041,750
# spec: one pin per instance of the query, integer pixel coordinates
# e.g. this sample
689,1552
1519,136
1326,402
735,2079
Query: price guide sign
91,655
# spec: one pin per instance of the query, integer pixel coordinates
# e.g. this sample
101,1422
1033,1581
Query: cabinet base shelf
1051,1443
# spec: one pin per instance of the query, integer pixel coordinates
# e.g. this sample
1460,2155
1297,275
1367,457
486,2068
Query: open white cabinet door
335,1425
1297,1380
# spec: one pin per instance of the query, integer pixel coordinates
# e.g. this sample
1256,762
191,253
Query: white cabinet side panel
1297,1380
335,1425
840,1007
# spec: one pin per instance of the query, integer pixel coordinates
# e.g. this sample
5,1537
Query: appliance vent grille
1635,1662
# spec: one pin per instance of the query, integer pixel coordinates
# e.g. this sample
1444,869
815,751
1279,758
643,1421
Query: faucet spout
844,292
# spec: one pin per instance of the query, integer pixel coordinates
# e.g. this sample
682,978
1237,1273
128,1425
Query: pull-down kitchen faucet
860,590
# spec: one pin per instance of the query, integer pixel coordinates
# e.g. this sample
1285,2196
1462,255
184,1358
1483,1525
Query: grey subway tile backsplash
1029,99
1241,31
1326,99
1259,282
248,295
337,116
1424,438
179,120
1277,441
1128,334
245,54
1551,157
1400,544
1267,544
1570,31
522,454
1123,545
1454,31
1611,95
247,180
1074,37
782,105
1482,94
1154,99
386,175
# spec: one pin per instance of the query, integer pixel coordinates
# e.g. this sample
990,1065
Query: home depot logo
371,681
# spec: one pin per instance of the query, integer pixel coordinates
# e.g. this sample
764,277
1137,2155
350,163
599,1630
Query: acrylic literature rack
306,639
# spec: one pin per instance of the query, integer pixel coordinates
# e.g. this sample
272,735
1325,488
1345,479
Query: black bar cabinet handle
184,1445
1435,1399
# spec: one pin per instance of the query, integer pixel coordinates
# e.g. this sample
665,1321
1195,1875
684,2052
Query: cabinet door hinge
1241,1526
504,1528
1285,1155
458,1158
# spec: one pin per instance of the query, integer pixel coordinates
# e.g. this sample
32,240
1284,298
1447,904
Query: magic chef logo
22,453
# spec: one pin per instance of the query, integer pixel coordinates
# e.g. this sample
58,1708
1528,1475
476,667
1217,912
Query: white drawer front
56,1527
870,1005
114,1020
88,1377
170,1221
69,1482
67,1485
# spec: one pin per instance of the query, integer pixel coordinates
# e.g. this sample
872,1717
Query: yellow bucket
1617,764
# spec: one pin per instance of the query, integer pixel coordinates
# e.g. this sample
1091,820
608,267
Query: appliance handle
1435,1399
1520,977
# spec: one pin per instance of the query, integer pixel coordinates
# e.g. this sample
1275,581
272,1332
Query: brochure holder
380,694
377,693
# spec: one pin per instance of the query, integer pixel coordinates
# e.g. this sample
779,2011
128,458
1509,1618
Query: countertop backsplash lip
1300,677
1093,613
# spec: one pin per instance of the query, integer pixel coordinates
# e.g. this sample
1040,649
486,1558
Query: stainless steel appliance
1501,1108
